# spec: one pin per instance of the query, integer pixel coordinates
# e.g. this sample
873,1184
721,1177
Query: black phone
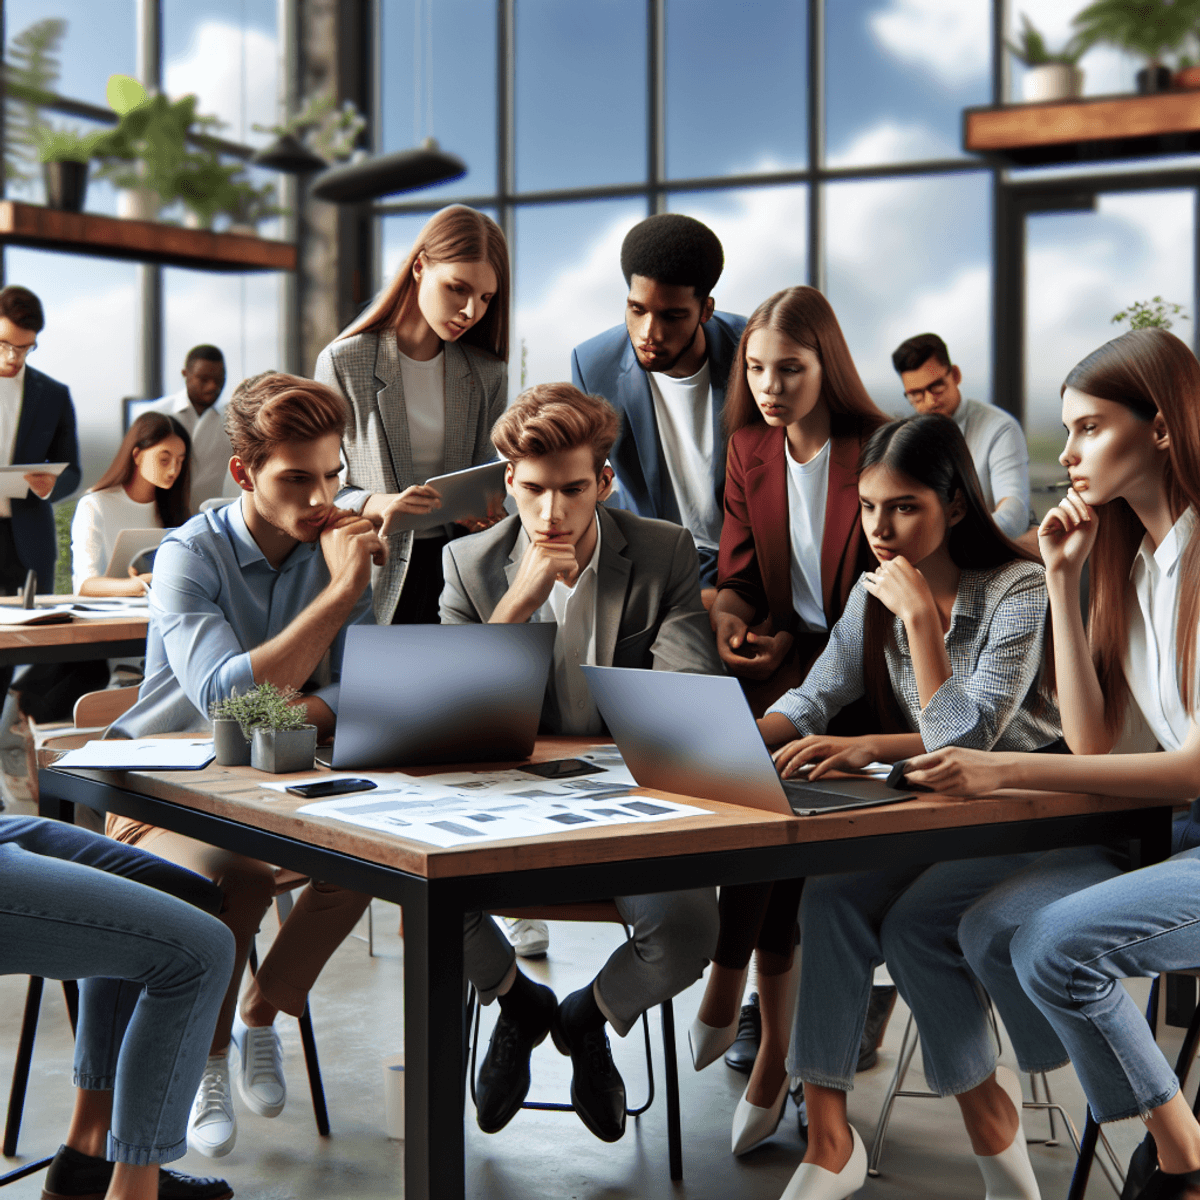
325,788
562,768
896,779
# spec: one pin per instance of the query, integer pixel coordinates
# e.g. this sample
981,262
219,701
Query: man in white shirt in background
194,406
995,438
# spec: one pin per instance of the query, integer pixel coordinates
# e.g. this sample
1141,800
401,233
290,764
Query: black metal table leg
433,1046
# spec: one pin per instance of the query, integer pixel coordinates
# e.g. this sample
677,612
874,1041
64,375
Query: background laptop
441,693
695,735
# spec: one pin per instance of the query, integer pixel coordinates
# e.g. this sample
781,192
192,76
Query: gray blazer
365,368
648,609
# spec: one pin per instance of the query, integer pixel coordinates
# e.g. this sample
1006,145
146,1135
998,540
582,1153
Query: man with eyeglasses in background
995,439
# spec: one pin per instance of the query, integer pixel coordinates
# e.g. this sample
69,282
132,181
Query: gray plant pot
282,751
230,743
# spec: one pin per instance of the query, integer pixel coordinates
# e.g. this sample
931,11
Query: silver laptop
695,735
441,693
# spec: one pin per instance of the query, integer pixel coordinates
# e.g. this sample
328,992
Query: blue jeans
907,917
75,905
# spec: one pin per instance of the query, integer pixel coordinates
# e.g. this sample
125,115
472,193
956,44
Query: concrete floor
357,1012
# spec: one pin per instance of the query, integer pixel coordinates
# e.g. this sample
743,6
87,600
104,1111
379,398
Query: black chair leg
671,1072
20,1079
315,1086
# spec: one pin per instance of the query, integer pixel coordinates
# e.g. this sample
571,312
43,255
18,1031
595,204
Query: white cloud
946,38
889,141
220,59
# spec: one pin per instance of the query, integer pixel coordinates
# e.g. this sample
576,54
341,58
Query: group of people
709,494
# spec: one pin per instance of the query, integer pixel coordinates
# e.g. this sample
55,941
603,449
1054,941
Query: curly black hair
673,249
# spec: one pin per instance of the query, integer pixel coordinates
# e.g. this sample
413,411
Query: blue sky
899,253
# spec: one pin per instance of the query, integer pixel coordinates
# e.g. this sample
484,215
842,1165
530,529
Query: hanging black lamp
287,153
387,174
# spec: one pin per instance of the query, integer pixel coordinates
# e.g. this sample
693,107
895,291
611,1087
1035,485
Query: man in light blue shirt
257,592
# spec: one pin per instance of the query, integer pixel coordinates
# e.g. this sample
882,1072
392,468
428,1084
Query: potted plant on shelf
65,155
1151,29
246,205
1049,74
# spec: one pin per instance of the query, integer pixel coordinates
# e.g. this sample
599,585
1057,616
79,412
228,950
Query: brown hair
1150,372
804,315
22,308
272,409
456,234
151,428
552,417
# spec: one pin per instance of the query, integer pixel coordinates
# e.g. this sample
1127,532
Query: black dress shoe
1161,1186
879,1011
504,1075
597,1089
75,1176
741,1055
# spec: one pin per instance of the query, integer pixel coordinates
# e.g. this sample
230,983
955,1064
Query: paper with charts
468,808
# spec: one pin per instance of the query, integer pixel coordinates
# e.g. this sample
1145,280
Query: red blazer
756,545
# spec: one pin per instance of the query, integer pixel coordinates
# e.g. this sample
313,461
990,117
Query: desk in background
122,636
228,807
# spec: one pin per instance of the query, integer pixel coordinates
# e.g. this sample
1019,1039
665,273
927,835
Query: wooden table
228,807
122,636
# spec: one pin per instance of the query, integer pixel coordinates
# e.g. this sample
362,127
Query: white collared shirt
574,610
1151,664
211,450
12,391
1001,457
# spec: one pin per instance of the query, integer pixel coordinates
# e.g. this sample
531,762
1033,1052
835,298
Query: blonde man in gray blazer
424,372
624,590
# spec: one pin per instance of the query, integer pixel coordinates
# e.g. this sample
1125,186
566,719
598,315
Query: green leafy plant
264,706
327,128
31,73
1150,314
1149,28
67,145
1031,48
246,204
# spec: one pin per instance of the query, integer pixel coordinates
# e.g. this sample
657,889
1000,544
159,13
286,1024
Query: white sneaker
260,1079
212,1127
530,939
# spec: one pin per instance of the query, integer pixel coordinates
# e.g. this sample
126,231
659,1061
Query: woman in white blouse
1052,943
145,487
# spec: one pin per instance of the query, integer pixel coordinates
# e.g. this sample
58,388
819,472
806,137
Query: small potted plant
1151,29
1150,314
282,741
65,155
231,741
1049,74
246,205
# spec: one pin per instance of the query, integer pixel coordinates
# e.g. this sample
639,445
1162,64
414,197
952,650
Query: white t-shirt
1151,663
808,488
99,517
12,390
424,385
683,409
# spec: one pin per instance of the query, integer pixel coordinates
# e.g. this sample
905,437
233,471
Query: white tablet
465,495
130,543
12,479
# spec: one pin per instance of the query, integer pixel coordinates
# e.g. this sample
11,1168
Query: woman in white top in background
145,487
424,371
1052,943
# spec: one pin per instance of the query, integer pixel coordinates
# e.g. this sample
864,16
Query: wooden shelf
140,241
1091,130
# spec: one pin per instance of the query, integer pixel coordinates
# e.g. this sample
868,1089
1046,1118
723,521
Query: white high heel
709,1042
752,1124
1009,1174
811,1182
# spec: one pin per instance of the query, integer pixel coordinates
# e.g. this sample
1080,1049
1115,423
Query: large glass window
581,93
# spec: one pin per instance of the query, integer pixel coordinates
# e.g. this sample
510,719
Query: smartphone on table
322,789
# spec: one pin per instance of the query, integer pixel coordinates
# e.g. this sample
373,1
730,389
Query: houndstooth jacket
365,369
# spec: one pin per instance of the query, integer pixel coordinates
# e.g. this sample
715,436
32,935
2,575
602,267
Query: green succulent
264,706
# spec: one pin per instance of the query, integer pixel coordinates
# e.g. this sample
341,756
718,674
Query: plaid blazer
365,368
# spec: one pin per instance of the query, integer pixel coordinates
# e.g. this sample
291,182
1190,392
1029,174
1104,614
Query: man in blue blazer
665,372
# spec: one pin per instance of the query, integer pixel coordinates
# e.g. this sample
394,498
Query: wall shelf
140,241
1092,130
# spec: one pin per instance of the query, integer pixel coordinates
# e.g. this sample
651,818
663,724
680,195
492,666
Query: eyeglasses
913,395
17,353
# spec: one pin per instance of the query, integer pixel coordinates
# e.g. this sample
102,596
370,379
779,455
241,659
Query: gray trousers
674,935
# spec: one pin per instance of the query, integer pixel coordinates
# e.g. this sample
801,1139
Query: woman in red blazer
796,415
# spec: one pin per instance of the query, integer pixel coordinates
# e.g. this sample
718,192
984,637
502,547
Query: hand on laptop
824,753
542,563
746,653
413,501
350,545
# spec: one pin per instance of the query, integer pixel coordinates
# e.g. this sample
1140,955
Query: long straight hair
1150,372
151,428
456,234
931,451
804,315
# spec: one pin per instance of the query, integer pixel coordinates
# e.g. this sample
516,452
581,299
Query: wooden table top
73,633
237,794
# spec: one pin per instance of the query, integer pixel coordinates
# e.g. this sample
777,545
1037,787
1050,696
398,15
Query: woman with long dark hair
796,415
1052,943
424,371
947,636
145,487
